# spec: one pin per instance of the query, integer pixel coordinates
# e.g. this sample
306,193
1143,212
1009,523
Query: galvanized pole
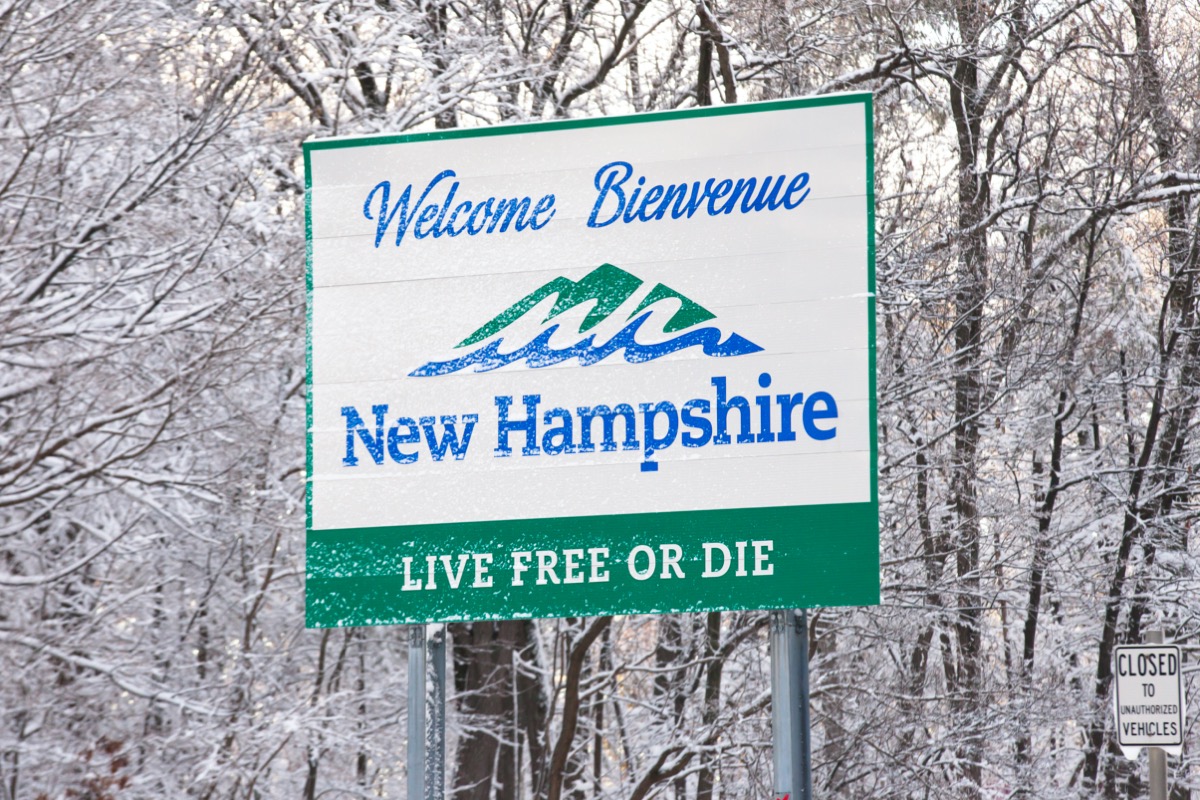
1158,756
789,705
806,792
435,757
416,713
1158,773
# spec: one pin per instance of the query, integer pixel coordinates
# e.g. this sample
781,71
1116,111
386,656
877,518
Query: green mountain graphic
609,286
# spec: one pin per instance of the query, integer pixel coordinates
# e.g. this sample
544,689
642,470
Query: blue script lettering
434,217
620,197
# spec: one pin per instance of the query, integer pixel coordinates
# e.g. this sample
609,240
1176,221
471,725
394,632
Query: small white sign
1149,698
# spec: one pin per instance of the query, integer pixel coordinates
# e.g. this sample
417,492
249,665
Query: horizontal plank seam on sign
858,296
555,271
849,145
619,520
579,461
385,381
399,182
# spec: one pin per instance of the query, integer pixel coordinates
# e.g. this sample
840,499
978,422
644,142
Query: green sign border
827,539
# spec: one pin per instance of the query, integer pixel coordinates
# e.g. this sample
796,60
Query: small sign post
790,727
1148,701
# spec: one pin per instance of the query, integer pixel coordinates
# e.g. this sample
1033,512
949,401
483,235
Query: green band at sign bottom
789,557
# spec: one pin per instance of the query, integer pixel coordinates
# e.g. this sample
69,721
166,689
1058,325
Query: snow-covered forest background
1038,229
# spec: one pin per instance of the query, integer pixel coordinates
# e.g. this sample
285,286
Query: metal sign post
416,712
435,755
1158,756
790,725
426,743
1158,774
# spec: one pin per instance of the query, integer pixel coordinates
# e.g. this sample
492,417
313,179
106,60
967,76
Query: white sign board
1149,698
594,366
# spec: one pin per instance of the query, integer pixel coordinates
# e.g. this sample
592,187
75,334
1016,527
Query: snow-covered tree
1038,245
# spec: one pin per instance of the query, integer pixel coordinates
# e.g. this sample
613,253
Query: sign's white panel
786,273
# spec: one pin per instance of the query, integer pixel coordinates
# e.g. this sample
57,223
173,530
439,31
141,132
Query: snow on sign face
1148,698
620,365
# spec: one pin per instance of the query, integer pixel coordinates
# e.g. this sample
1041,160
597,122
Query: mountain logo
609,288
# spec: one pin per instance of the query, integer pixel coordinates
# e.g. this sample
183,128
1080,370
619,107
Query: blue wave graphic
538,352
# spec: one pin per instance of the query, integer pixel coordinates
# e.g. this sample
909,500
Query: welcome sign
620,365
